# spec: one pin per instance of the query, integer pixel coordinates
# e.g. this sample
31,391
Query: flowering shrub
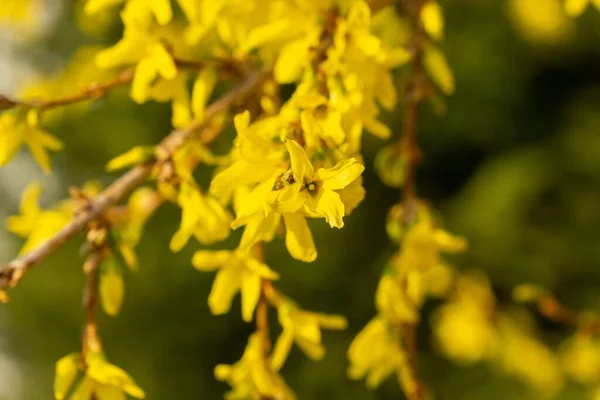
304,81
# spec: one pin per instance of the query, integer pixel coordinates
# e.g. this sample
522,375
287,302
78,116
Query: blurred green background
513,164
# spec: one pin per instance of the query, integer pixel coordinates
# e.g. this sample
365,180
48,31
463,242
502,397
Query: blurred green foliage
513,164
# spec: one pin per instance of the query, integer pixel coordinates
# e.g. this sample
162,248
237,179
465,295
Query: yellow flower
318,119
34,224
17,11
575,8
237,271
375,353
580,358
424,243
257,157
161,9
316,191
253,210
546,24
101,381
138,47
303,328
433,19
252,377
523,355
202,216
393,302
15,131
463,328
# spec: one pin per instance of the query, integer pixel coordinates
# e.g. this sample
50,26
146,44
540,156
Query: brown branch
93,91
100,89
552,309
12,273
413,96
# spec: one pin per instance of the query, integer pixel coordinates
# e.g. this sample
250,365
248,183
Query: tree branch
413,96
12,273
100,89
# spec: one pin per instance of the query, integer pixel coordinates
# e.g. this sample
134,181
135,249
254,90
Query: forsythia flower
161,9
16,11
580,358
101,381
303,328
546,24
520,353
464,327
128,226
424,243
375,353
33,223
140,48
15,131
202,216
315,191
576,7
252,377
237,271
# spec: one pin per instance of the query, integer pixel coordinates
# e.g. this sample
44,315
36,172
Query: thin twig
12,273
413,96
552,309
97,90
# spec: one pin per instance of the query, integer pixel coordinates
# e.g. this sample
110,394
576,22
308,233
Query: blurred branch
413,96
552,309
12,273
97,90
93,91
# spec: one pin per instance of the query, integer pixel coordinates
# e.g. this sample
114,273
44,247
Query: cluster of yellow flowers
292,159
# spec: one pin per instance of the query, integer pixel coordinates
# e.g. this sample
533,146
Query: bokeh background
513,164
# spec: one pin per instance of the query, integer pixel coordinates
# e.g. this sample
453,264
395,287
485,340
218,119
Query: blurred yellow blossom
252,377
375,353
522,354
575,8
303,328
202,216
14,131
237,271
580,358
464,328
546,24
101,380
33,223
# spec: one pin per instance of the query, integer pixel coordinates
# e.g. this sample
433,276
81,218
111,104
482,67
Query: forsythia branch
93,91
413,97
12,273
97,90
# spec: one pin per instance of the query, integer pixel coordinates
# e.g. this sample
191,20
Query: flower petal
340,176
329,204
251,284
298,238
206,260
301,166
282,349
226,285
